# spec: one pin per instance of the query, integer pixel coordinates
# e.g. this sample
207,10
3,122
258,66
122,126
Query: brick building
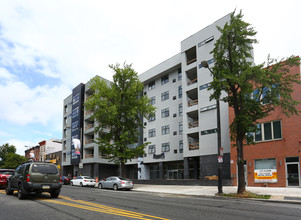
274,160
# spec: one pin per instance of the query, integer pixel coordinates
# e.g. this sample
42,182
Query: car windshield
44,169
7,172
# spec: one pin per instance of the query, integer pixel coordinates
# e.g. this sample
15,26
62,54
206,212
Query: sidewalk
280,194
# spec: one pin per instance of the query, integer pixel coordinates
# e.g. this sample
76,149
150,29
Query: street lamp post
219,142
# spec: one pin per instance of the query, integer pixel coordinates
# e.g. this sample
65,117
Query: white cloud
20,145
72,41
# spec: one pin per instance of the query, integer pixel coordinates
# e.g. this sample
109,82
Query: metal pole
219,144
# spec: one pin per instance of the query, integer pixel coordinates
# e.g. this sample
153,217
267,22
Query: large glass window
151,85
165,147
181,127
165,129
180,92
152,133
265,164
181,109
152,117
152,100
152,149
164,79
181,146
268,131
165,113
164,96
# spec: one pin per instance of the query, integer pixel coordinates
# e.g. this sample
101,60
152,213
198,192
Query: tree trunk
123,170
240,165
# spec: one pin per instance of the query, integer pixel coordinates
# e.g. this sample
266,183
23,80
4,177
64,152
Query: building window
152,100
152,117
206,41
174,80
181,127
268,131
151,85
164,79
265,164
210,131
165,129
181,146
152,133
152,149
165,113
205,86
181,109
179,74
164,96
180,92
264,95
165,147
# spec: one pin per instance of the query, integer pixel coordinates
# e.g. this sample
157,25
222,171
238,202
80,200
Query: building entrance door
292,174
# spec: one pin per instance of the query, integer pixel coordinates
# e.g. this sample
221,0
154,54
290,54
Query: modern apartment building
182,132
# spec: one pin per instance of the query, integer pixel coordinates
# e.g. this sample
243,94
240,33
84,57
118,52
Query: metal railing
194,146
193,102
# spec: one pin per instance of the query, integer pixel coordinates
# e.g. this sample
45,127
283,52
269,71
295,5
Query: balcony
193,124
88,112
192,82
88,156
194,146
193,102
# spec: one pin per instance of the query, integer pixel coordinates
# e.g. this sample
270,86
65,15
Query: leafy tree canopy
4,150
13,160
252,91
118,109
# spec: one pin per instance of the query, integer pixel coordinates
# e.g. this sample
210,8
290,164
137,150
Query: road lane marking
102,208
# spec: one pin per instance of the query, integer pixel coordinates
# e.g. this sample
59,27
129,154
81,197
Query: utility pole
219,142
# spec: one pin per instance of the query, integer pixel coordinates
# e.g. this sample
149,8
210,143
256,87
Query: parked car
66,180
4,175
115,182
35,177
83,181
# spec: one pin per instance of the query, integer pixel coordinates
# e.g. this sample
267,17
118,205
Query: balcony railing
194,146
89,126
89,141
192,82
87,156
193,124
193,102
191,61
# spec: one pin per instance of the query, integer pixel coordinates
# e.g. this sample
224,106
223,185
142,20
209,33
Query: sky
49,47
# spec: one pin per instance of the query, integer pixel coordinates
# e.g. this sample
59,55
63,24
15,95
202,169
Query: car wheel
99,185
81,184
21,194
54,195
115,187
8,190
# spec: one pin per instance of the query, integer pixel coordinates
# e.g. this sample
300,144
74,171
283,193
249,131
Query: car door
15,178
78,180
105,183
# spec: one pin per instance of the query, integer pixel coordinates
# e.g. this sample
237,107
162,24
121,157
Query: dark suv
35,177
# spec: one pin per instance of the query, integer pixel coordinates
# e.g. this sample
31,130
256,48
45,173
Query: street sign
220,159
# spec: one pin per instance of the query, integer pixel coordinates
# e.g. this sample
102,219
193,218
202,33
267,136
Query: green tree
119,107
4,150
252,91
13,160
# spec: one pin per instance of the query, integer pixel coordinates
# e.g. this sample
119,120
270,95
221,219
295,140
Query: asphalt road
92,203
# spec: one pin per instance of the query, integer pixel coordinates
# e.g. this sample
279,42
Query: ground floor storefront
270,172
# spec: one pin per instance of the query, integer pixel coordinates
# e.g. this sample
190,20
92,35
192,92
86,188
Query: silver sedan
115,182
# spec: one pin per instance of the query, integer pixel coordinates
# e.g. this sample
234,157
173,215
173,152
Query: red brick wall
288,146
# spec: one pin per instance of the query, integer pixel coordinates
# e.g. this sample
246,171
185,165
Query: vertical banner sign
77,123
